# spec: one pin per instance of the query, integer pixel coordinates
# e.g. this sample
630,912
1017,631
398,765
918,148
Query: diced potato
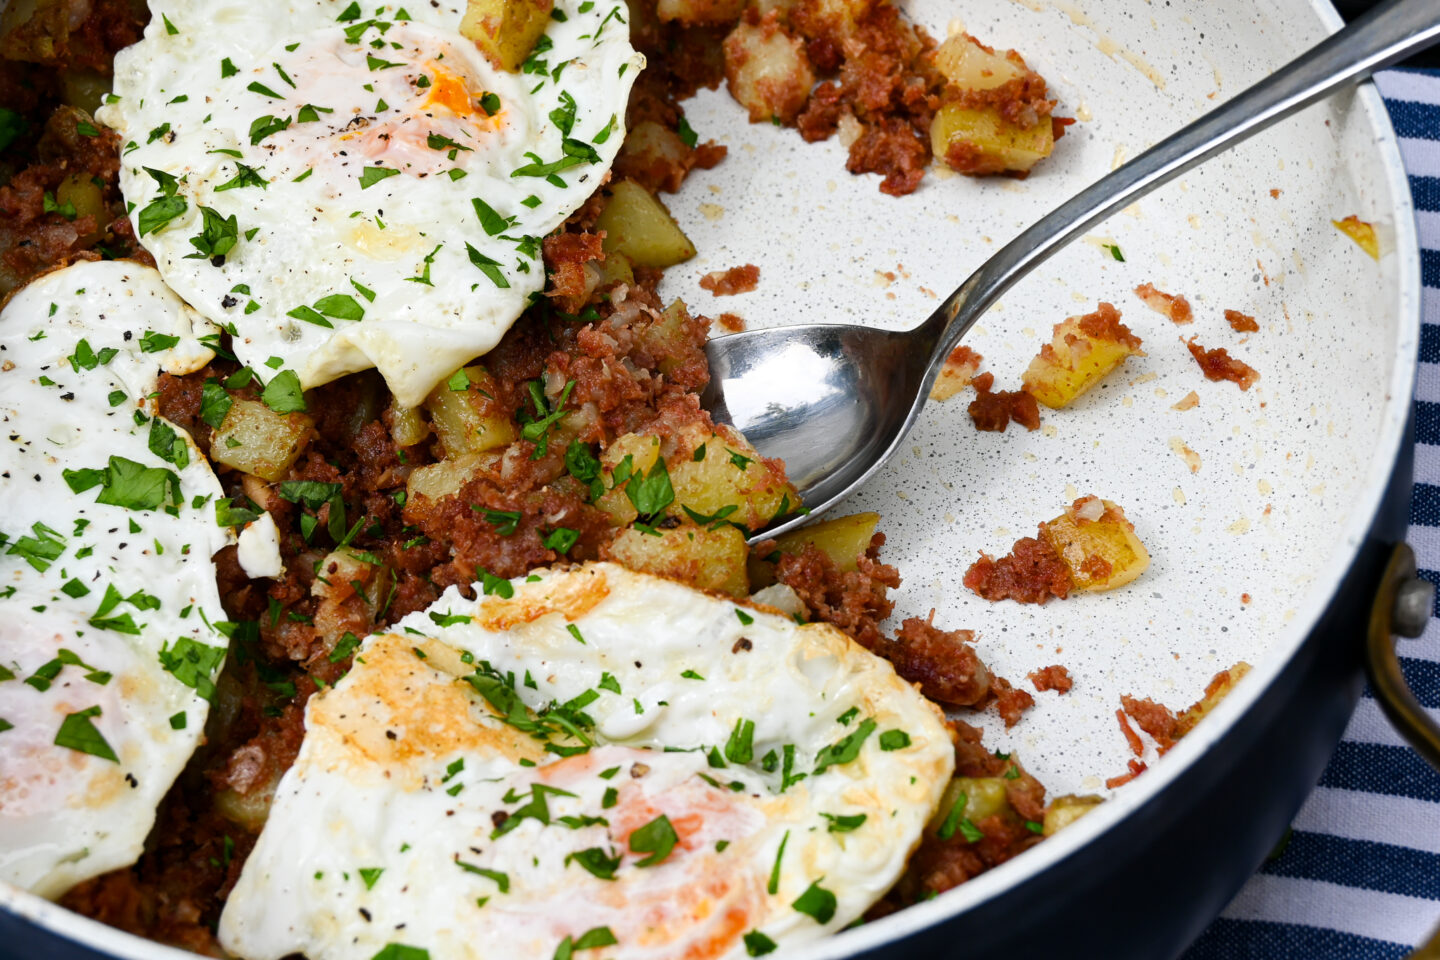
248,810
1218,689
970,66
834,19
615,268
470,420
1097,543
447,477
666,337
707,559
842,540
1362,233
88,200
986,143
351,590
1065,810
699,11
768,71
407,426
255,439
983,797
638,226
1083,350
85,89
505,30
763,7
653,156
732,474
345,573
643,452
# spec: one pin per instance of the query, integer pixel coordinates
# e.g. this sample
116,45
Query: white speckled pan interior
1290,472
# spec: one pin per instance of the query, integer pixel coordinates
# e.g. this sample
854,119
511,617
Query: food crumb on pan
1191,458
1054,677
1190,401
728,283
1137,767
731,321
993,411
1174,306
1362,232
1217,364
957,372
1241,322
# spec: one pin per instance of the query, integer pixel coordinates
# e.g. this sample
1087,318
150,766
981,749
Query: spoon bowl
830,399
835,401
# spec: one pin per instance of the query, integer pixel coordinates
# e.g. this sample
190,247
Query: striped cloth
1360,876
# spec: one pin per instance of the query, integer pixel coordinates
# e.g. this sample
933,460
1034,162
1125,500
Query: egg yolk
406,100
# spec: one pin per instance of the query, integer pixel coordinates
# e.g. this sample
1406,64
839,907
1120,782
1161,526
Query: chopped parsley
844,750
757,944
77,732
843,824
596,861
773,887
656,838
894,740
502,880
740,748
817,902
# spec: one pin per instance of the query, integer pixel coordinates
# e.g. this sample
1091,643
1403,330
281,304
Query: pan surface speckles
1288,470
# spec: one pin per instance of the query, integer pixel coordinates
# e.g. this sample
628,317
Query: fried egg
592,759
347,189
109,611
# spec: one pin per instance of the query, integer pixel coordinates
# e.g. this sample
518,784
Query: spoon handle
1388,33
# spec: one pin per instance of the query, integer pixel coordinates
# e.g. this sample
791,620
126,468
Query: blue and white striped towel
1360,878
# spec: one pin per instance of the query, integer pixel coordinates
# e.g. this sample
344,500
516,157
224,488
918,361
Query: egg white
357,240
388,828
66,814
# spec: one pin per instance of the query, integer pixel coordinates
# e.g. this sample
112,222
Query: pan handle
1402,606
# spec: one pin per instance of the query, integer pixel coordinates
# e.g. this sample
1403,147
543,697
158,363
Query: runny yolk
450,91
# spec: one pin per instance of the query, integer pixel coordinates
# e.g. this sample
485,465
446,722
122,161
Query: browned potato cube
730,473
1065,810
1097,543
407,426
980,141
704,558
666,337
653,156
445,478
699,11
768,71
255,439
638,226
1083,351
834,20
843,539
505,30
82,194
969,799
470,419
642,453
969,66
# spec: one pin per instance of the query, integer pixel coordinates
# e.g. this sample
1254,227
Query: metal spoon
835,401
